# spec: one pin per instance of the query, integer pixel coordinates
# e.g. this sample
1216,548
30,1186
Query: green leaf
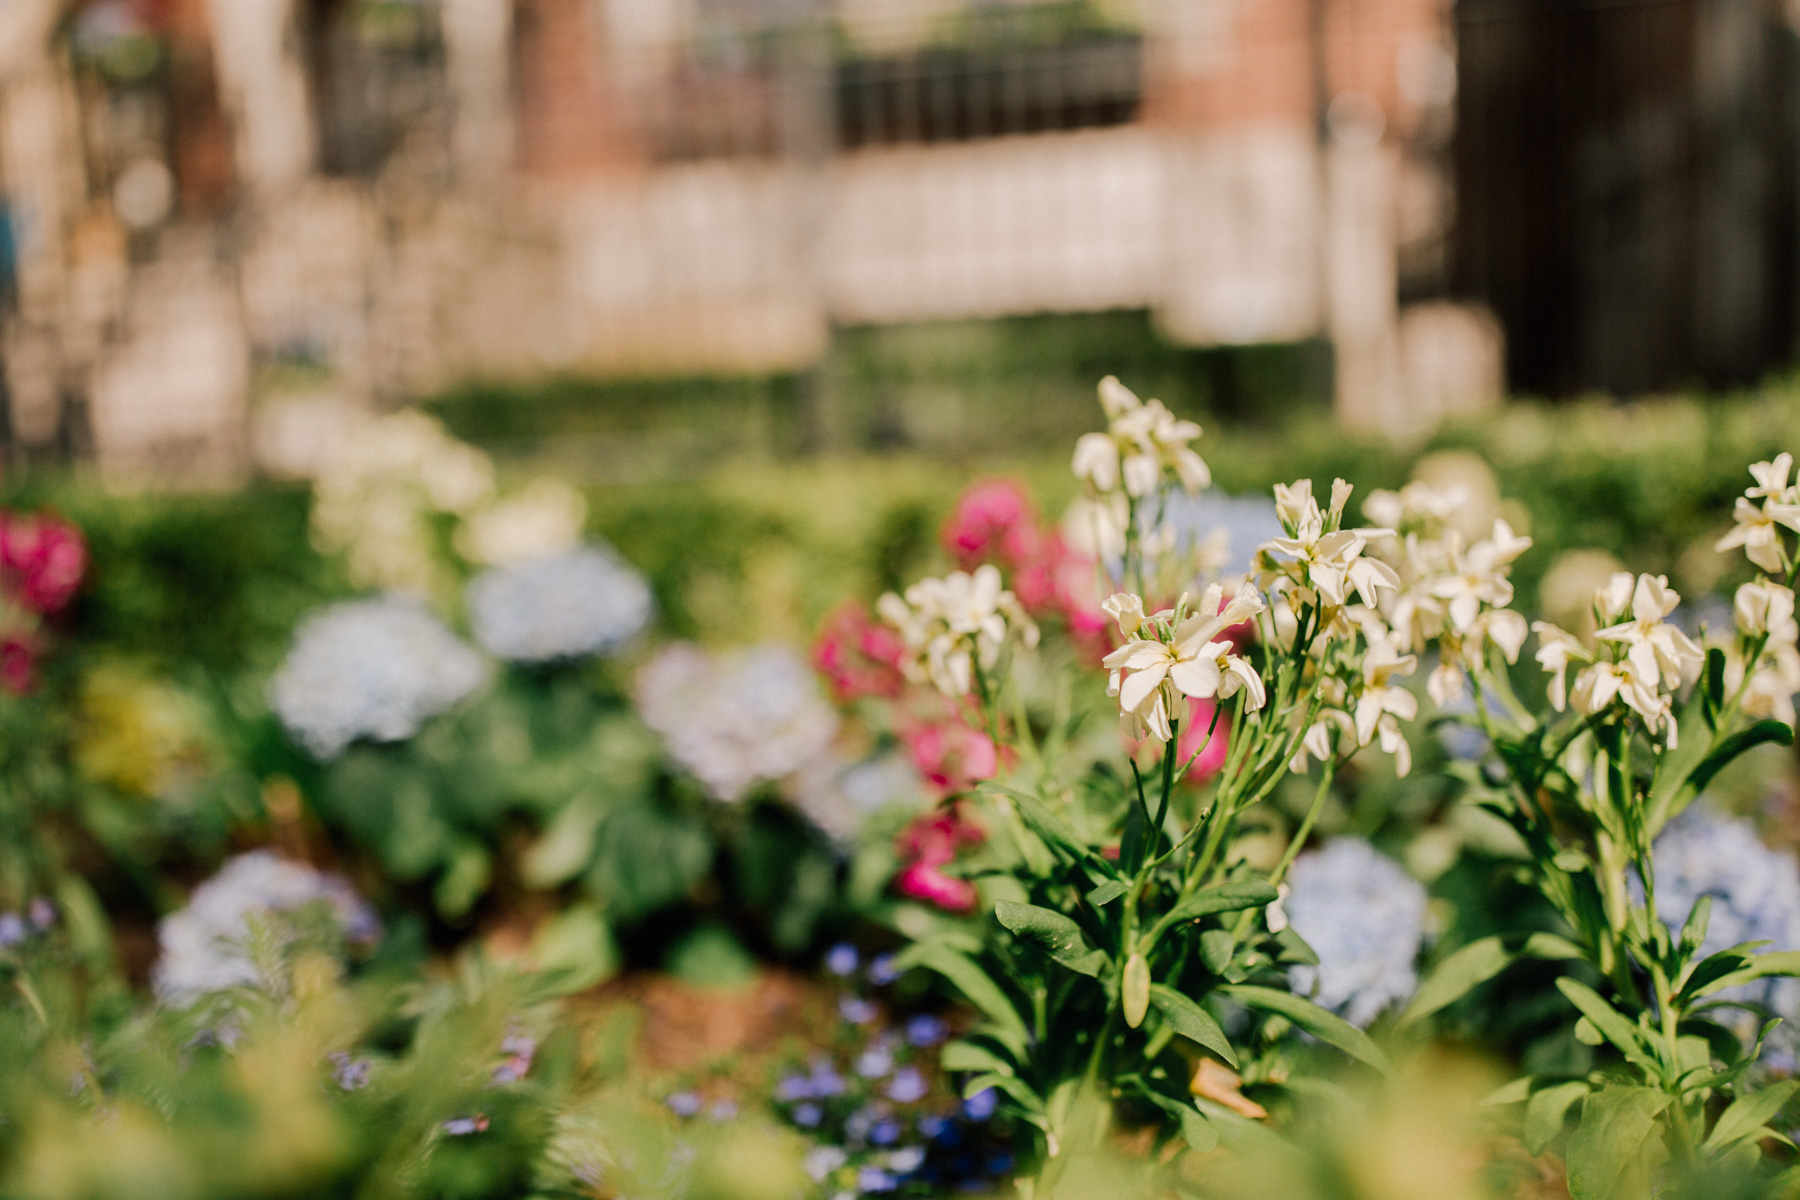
1779,732
972,1056
1516,1092
1196,1130
567,845
1456,975
1326,1026
577,943
1191,1021
1060,937
1545,1112
1693,931
1227,897
1748,1114
971,980
1294,948
1609,1022
1760,966
1615,1125
1216,946
1107,892
1550,946
1055,833
1017,1088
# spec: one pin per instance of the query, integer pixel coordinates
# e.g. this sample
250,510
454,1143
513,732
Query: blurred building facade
412,192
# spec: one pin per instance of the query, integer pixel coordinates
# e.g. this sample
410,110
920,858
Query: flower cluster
542,520
1364,918
1637,658
1755,897
858,656
956,628
1766,507
38,918
42,561
375,501
209,947
376,668
1177,653
1449,593
994,522
929,845
1144,443
575,603
735,719
877,1109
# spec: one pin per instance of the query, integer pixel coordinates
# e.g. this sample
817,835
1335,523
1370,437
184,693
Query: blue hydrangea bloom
1364,916
376,668
581,602
1755,897
204,946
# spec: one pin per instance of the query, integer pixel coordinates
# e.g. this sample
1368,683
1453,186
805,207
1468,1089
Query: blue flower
1364,917
907,1086
925,1030
882,971
12,929
43,913
981,1105
204,946
373,668
825,1081
793,1086
885,1132
807,1115
351,1074
683,1104
876,1060
874,1179
856,1010
1755,897
569,605
841,959
933,1126
464,1126
906,1160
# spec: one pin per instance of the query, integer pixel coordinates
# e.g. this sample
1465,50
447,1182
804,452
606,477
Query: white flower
376,668
1384,704
1325,564
205,946
1763,608
373,501
1182,656
1557,648
956,624
1143,441
542,520
1478,576
1657,648
736,719
1756,530
577,603
1598,685
1364,917
1417,508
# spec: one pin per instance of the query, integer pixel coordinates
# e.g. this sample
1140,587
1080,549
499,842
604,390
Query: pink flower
18,664
42,560
927,846
858,656
1193,733
994,521
924,882
950,755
